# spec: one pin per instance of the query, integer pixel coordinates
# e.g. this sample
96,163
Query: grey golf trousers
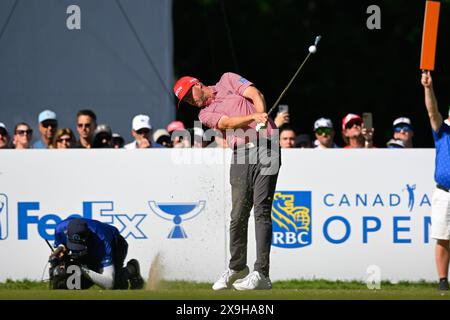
252,184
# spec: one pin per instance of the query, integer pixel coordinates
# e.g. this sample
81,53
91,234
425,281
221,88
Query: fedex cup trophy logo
174,212
3,216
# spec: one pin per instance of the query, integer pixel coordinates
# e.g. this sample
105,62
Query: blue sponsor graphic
401,225
3,216
410,190
128,225
291,219
378,200
177,213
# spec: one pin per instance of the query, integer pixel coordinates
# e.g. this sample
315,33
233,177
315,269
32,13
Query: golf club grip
288,85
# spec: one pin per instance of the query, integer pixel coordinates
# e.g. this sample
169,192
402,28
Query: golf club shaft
288,85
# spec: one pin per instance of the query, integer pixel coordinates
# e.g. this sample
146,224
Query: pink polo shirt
228,101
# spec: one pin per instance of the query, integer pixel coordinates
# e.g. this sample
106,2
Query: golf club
311,49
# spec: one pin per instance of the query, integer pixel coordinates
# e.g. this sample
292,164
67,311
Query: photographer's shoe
443,284
254,281
228,277
134,271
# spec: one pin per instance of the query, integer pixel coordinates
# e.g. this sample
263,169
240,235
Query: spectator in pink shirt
233,104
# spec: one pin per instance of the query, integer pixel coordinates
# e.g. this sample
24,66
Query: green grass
183,290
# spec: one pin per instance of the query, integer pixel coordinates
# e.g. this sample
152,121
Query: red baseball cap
182,87
349,118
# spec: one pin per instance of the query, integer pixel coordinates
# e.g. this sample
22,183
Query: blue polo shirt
442,143
100,244
39,145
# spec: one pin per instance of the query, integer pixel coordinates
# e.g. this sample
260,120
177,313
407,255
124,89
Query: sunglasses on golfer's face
402,128
3,132
353,123
321,131
28,132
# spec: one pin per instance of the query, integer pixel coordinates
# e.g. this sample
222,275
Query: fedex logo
28,216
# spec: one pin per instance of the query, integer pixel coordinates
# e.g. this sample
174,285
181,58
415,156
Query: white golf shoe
228,277
254,281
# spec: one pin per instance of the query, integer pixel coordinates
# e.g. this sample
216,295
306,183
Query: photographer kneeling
98,251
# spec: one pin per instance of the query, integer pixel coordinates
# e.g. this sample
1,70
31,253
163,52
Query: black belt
442,188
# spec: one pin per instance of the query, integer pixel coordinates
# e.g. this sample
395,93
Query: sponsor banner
337,214
176,211
367,208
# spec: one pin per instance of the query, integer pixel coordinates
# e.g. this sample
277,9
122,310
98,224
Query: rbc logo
3,216
291,217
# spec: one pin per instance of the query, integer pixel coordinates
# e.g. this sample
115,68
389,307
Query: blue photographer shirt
100,244
442,143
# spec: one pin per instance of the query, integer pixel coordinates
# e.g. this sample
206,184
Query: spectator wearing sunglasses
354,134
142,133
324,132
64,139
48,125
86,125
22,136
4,137
403,131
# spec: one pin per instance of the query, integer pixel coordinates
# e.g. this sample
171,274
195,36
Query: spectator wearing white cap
48,125
162,137
324,132
354,134
142,133
403,131
4,137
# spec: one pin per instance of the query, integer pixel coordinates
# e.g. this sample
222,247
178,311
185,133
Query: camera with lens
59,265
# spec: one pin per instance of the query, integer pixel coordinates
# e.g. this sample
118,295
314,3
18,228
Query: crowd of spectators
176,135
